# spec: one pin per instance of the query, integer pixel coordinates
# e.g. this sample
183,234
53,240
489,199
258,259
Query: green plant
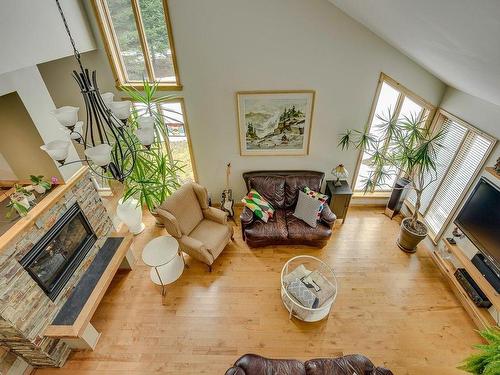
39,180
487,361
398,146
155,174
16,205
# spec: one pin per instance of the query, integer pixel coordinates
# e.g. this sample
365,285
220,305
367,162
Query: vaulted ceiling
456,40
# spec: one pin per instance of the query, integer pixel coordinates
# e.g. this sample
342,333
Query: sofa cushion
297,229
274,230
213,235
347,365
272,188
294,184
184,206
256,365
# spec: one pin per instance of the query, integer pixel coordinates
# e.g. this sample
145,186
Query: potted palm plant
403,147
155,174
487,361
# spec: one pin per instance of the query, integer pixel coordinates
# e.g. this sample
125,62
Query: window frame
403,92
186,129
440,117
111,46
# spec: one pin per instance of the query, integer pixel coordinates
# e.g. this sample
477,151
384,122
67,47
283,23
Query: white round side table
163,255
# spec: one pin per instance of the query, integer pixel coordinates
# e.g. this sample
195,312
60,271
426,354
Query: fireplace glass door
56,256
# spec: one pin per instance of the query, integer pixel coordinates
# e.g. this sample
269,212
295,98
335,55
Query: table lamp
340,172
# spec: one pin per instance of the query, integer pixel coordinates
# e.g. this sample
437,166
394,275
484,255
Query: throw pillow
302,294
259,206
307,209
321,197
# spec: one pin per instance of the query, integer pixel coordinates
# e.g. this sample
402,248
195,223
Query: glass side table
166,261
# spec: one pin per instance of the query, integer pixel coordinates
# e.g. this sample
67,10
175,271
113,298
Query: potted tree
487,361
155,176
403,147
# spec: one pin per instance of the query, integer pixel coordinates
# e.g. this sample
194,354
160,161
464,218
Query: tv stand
481,317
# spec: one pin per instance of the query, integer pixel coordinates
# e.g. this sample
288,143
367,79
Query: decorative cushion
321,197
259,206
302,294
307,209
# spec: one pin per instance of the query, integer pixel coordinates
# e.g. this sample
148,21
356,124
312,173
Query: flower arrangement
39,184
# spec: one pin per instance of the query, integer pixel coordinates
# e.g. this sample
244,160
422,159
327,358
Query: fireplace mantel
25,309
45,204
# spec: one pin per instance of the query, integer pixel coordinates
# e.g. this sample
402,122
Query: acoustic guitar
227,202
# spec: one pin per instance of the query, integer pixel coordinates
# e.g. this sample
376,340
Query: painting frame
252,145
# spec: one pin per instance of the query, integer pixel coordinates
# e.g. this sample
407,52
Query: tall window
458,162
138,39
177,145
399,101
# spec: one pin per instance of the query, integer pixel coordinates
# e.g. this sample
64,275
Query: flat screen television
479,220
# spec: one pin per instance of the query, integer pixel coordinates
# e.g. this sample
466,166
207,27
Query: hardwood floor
393,307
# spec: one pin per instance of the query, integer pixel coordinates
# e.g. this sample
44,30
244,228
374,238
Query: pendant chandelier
109,146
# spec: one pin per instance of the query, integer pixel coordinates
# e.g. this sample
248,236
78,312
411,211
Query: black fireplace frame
75,260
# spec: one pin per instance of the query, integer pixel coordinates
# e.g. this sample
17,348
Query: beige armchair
202,231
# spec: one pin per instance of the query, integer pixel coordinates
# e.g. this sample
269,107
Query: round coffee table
167,262
318,277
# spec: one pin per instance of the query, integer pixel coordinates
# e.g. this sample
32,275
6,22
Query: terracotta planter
409,239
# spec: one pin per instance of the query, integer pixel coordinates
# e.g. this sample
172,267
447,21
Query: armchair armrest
196,249
246,216
171,224
216,215
327,216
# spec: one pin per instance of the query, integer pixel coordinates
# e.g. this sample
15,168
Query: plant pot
408,238
398,195
130,213
158,221
39,189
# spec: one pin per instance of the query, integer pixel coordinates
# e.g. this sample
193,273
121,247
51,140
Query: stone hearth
25,309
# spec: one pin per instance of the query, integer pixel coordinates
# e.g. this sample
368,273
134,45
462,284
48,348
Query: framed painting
275,122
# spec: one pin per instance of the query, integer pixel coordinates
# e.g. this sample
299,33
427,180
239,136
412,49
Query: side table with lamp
340,192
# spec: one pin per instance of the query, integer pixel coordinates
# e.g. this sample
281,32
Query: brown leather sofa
251,364
281,189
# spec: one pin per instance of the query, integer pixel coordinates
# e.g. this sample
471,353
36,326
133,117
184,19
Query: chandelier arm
75,50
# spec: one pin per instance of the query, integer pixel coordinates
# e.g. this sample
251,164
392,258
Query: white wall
31,88
6,172
224,46
32,32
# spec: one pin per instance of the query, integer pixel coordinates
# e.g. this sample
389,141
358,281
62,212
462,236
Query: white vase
130,213
39,189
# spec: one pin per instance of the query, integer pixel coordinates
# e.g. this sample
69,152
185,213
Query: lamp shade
340,172
146,122
57,150
67,115
77,132
107,98
100,154
146,136
121,109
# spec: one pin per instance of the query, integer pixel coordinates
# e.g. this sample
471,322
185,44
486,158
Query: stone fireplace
42,258
54,259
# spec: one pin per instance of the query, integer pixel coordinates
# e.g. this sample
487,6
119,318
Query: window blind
463,152
464,167
453,138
